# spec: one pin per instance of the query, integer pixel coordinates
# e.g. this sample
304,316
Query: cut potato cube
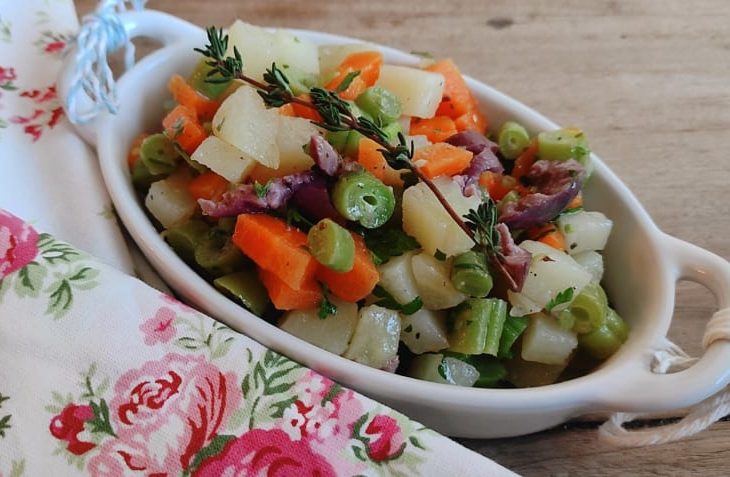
223,159
545,341
291,52
244,122
419,91
437,368
424,331
169,201
330,57
425,219
396,276
332,333
433,280
592,262
551,272
376,337
292,135
256,45
585,231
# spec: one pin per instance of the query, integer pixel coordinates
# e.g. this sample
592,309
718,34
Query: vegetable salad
372,210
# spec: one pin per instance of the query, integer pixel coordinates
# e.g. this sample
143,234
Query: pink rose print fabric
181,401
18,243
160,328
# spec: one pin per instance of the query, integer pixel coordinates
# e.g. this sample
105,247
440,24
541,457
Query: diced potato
244,122
256,45
376,337
424,331
436,368
223,159
292,135
419,142
419,91
332,333
551,272
292,52
425,218
433,281
330,57
396,276
592,262
169,201
585,231
545,341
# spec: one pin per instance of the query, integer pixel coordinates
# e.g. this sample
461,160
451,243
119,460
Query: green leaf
215,447
388,301
17,469
4,424
346,81
101,421
561,298
334,390
326,307
439,255
359,453
416,443
442,369
54,251
385,243
30,279
60,299
280,406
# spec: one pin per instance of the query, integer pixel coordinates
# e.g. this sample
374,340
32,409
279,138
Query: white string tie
700,417
101,33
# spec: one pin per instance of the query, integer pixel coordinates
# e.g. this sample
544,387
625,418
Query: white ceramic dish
643,266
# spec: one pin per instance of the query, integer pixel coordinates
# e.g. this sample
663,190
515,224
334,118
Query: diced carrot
436,129
186,95
358,282
305,112
472,120
441,159
287,110
133,155
276,247
370,157
286,298
457,98
207,185
182,126
548,234
497,185
368,64
525,161
576,202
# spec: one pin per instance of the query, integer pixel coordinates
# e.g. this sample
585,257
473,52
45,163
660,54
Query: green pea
332,245
469,274
157,152
199,79
361,197
513,139
607,339
380,103
563,144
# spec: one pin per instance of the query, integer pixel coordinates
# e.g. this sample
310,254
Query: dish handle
647,391
76,98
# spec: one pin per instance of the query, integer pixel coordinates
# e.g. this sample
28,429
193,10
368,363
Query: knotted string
101,33
701,415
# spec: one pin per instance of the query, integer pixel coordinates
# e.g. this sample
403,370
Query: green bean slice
157,152
332,245
513,139
361,197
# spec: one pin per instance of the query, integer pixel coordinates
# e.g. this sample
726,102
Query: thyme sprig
337,115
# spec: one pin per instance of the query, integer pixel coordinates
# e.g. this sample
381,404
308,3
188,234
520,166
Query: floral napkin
101,374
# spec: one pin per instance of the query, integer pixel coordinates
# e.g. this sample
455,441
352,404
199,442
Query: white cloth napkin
101,374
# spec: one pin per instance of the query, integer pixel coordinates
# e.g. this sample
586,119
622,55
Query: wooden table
648,80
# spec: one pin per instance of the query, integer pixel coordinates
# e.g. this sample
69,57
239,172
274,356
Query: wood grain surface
648,80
